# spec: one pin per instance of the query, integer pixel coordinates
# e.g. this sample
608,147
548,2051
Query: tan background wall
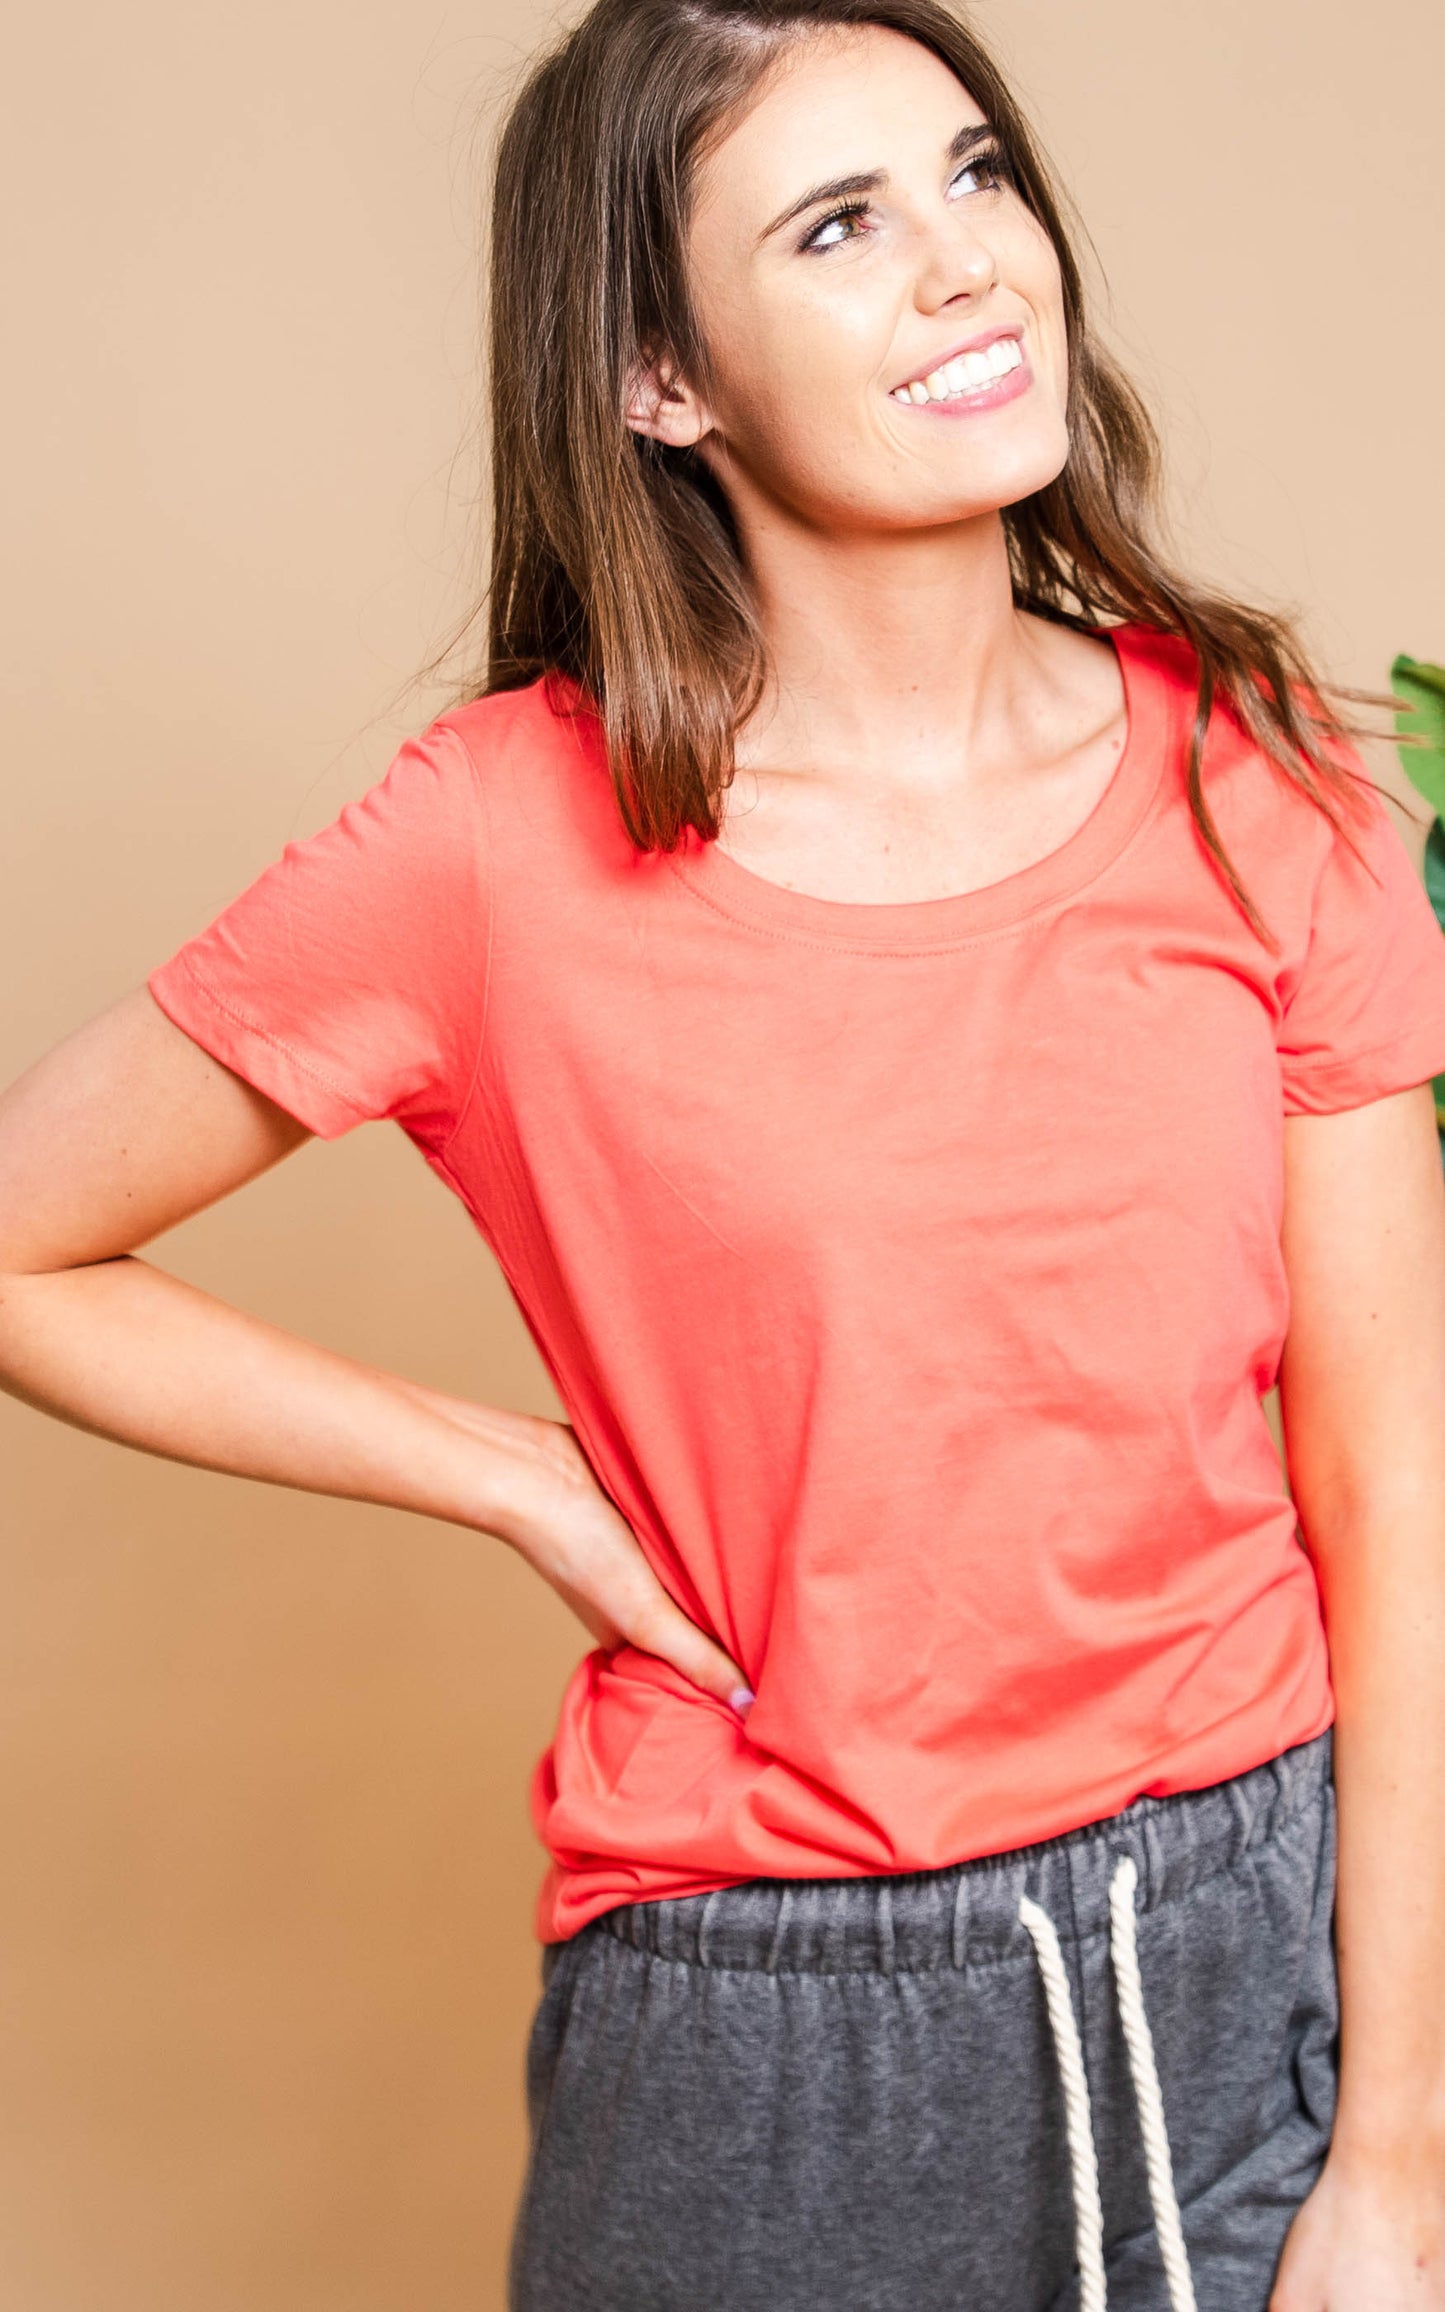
266,1956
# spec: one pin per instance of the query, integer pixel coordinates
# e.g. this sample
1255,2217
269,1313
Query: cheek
1033,272
788,375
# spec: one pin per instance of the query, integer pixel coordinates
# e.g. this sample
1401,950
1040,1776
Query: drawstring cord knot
1088,2209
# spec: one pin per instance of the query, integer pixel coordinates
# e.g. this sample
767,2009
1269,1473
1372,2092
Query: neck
876,638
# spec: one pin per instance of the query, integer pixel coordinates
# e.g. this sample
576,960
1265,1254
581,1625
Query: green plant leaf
1435,869
1423,684
1435,886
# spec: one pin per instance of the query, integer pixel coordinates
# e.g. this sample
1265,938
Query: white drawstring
1140,2043
1088,2209
1088,2213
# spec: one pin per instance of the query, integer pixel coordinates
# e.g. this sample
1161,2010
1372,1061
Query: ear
660,404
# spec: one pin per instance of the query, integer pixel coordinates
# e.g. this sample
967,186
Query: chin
1014,481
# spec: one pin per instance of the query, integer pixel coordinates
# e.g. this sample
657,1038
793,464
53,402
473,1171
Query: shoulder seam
464,1107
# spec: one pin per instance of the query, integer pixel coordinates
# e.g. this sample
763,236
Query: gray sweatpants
932,2092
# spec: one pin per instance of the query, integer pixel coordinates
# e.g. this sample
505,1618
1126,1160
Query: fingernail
742,1699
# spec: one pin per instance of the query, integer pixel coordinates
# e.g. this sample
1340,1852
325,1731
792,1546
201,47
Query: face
854,234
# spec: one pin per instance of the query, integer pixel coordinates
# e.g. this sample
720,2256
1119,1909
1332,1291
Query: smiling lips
970,376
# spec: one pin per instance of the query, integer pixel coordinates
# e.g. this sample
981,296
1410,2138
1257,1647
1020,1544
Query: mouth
972,371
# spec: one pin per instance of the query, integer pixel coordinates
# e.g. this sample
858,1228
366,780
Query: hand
562,1522
1361,2243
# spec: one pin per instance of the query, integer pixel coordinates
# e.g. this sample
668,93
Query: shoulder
537,721
1301,864
540,771
447,782
1245,788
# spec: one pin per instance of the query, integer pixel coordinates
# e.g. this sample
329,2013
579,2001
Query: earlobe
658,404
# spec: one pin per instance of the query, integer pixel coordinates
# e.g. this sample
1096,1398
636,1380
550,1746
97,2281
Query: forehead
837,103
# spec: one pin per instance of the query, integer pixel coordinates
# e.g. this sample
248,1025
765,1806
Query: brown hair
615,558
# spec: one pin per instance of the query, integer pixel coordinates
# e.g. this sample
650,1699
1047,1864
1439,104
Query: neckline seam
803,917
799,935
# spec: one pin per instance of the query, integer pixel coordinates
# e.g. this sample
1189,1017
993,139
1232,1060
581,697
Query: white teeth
964,373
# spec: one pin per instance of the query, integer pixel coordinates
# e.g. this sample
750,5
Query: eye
846,215
989,166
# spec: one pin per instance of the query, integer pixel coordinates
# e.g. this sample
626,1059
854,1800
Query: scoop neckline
737,891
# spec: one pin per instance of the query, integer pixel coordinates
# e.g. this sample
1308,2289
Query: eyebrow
873,180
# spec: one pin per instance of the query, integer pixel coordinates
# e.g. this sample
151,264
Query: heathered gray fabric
842,2095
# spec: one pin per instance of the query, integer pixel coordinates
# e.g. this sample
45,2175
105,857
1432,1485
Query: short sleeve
348,981
1364,1014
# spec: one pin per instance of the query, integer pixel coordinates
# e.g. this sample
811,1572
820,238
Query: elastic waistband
967,1913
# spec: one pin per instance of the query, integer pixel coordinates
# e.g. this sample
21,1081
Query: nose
958,261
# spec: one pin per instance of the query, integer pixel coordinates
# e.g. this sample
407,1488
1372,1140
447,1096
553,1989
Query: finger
660,1627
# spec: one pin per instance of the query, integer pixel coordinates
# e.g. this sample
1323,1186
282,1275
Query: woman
933,1020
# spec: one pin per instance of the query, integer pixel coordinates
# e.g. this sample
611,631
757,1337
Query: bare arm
126,1128
1362,1402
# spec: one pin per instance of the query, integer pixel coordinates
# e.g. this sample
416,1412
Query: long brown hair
615,559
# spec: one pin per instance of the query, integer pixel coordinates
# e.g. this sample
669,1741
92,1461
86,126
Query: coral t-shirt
910,1272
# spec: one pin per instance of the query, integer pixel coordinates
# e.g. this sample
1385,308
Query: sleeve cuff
256,1053
1414,1057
